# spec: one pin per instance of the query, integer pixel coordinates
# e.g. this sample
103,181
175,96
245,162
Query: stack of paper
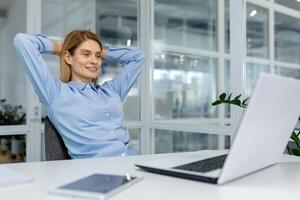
9,177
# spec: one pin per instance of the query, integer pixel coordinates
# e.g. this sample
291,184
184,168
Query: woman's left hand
57,46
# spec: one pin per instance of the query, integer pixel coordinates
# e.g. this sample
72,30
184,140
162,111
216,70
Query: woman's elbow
18,39
141,55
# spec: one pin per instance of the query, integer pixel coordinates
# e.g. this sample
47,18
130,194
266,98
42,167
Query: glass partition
226,27
227,86
13,85
289,72
185,85
287,38
190,23
134,147
293,4
257,31
179,141
253,71
12,148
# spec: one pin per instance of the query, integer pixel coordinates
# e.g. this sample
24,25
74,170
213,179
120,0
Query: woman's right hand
103,53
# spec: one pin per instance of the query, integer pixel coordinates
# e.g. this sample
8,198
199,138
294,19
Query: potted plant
11,115
293,147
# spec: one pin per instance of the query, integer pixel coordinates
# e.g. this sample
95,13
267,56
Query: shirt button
123,154
107,114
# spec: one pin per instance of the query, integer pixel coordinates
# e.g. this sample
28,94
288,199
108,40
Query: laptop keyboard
204,166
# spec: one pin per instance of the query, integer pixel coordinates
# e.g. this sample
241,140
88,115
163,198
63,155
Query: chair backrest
55,148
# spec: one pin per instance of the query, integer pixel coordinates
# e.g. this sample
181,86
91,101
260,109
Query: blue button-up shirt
89,118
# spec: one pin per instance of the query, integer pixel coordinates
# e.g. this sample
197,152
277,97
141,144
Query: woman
88,116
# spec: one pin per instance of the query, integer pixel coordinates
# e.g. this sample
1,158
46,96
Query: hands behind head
57,48
103,53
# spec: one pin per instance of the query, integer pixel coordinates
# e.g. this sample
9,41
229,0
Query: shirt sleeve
29,49
132,61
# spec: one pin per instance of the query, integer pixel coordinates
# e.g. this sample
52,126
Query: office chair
55,148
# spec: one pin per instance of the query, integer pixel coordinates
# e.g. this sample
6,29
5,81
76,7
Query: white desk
281,181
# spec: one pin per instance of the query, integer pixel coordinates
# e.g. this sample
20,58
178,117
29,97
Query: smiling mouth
92,69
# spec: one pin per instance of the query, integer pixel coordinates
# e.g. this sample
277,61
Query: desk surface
281,181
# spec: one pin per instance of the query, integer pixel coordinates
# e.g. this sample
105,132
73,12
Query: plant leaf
245,100
295,138
229,97
222,96
296,152
237,97
217,102
236,102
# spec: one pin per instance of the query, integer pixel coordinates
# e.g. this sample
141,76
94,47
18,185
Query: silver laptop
260,140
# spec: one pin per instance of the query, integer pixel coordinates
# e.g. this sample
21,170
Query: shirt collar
82,86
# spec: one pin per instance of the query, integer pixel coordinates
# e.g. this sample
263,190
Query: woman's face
86,61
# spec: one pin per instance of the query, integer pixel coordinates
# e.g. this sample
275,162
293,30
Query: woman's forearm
132,61
29,48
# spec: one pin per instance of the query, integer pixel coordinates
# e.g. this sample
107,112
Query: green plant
11,115
293,149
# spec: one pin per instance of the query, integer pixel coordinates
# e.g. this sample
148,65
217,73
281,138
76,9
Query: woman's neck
82,80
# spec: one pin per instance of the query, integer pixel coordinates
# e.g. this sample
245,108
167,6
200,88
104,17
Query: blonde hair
71,43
